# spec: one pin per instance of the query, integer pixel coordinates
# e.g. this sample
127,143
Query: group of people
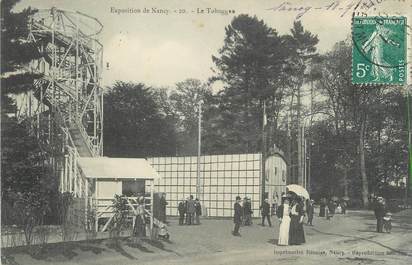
243,213
329,209
190,211
291,214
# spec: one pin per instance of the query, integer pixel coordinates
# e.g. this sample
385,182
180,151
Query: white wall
108,188
223,178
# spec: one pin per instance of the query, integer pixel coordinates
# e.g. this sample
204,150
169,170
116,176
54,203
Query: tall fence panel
222,178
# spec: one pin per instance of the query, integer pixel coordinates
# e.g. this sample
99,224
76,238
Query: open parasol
335,198
298,190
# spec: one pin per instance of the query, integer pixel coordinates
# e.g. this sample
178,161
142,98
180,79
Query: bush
119,222
29,211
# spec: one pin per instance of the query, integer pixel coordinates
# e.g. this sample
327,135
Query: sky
161,49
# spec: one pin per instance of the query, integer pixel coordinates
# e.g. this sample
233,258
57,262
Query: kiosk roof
117,168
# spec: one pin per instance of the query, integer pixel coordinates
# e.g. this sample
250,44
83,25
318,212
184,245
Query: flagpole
263,151
199,150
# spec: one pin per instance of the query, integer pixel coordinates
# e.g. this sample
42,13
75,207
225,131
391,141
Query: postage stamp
379,50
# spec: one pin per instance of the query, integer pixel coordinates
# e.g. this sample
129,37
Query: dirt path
346,239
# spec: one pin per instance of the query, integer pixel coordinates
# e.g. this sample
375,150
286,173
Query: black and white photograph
205,132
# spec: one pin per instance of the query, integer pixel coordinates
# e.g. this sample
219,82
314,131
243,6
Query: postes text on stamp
379,50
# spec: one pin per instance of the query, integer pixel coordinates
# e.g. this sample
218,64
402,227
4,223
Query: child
387,222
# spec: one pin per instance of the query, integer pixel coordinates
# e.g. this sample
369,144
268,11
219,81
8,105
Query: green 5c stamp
379,50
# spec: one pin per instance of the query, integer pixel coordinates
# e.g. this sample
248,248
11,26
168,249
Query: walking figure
265,207
376,43
237,217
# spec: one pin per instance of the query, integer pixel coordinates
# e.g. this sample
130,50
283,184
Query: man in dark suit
379,209
265,212
182,210
190,210
310,211
198,211
163,204
237,218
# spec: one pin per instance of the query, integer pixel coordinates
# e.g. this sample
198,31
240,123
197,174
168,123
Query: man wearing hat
379,209
182,211
310,211
265,212
247,211
237,218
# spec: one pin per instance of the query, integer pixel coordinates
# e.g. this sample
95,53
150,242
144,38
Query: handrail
85,137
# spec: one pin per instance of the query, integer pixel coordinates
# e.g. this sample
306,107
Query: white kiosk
107,177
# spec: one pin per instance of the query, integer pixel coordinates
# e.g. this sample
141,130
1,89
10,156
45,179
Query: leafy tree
250,64
22,160
367,125
16,52
27,182
185,101
133,123
301,47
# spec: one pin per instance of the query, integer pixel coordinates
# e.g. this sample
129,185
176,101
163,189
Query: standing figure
310,211
198,211
237,217
275,203
182,211
379,209
380,38
265,207
387,222
244,211
296,233
163,204
344,206
322,208
330,210
283,213
190,212
247,208
139,229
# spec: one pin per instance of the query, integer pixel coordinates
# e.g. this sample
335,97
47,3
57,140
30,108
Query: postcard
206,132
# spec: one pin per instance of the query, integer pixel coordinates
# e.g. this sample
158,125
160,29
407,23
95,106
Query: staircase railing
86,138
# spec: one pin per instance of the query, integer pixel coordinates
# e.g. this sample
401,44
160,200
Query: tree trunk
345,181
300,136
365,191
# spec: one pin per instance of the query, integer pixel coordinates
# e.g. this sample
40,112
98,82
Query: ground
346,239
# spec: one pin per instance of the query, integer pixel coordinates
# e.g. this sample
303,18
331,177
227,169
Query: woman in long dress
140,220
376,43
296,233
283,214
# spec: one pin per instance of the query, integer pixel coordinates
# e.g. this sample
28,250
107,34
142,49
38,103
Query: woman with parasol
296,232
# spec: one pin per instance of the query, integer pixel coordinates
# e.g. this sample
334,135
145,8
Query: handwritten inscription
343,7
